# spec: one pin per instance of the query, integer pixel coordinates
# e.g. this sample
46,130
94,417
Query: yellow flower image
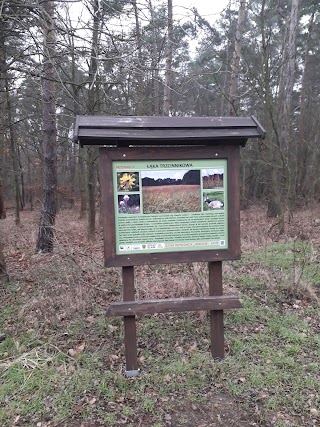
128,181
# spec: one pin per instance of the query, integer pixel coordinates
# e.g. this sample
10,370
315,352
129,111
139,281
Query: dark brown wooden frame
107,155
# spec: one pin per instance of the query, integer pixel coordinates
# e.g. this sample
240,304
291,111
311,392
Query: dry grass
54,308
64,285
171,199
73,281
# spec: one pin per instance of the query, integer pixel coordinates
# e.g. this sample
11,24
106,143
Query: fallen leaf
75,351
72,352
114,357
193,347
81,347
314,412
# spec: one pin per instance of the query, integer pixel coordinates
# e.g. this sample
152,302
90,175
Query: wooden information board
170,192
170,205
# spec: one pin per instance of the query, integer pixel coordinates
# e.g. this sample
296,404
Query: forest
61,359
133,58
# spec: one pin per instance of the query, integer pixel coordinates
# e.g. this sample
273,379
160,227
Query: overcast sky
208,9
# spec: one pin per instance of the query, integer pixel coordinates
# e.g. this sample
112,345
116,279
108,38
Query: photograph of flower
128,181
129,204
212,178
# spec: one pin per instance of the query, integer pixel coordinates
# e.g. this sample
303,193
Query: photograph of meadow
171,191
128,181
213,200
129,204
212,178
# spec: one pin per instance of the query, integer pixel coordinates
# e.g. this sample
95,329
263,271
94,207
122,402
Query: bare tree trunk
286,144
3,214
30,185
154,65
4,278
13,153
22,194
289,75
168,71
2,114
92,105
139,107
81,150
235,63
91,183
272,139
3,269
302,149
82,183
48,212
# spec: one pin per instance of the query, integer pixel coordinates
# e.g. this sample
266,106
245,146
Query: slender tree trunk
286,138
302,148
3,214
272,140
168,71
155,65
92,108
81,150
2,115
4,278
48,212
82,183
13,154
91,183
3,269
92,105
139,107
235,63
287,148
22,194
30,185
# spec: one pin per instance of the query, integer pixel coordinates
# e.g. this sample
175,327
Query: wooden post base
215,303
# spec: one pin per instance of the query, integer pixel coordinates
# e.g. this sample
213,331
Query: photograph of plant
129,204
128,181
171,191
213,200
212,178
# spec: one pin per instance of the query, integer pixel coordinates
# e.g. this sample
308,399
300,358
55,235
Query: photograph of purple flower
129,204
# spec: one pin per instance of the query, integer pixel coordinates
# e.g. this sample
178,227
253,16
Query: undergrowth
62,361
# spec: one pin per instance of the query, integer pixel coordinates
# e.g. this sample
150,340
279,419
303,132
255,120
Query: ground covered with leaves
62,361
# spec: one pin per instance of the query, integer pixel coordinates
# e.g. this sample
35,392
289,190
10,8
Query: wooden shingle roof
153,130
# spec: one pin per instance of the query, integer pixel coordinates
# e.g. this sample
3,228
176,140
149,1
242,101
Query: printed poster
171,205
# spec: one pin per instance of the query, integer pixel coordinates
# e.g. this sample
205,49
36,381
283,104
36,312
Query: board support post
130,331
216,316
